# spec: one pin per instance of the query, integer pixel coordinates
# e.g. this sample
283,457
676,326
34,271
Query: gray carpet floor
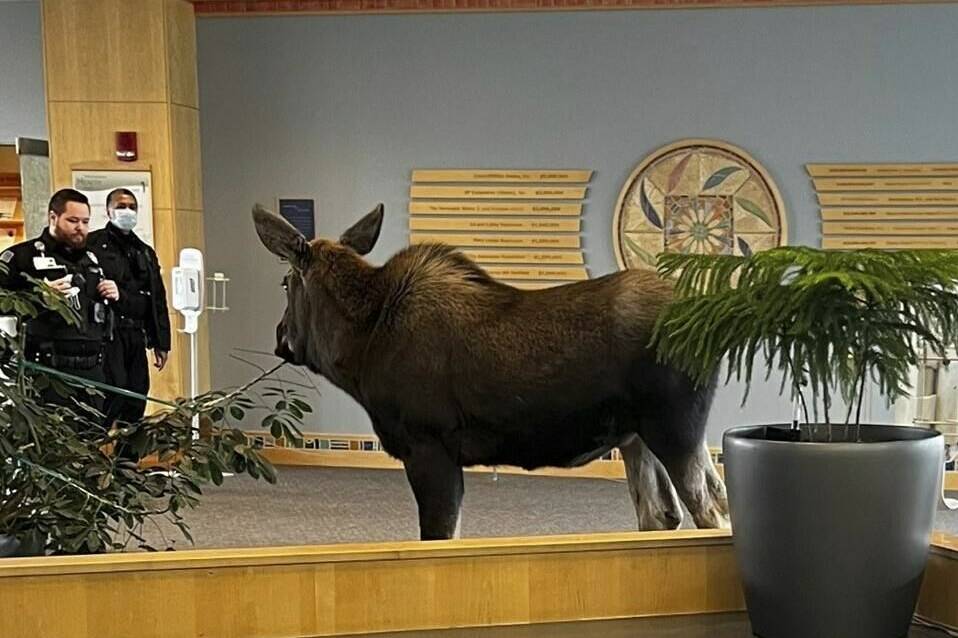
710,626
332,505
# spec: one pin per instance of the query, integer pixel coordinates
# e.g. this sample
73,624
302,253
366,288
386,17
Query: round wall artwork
697,196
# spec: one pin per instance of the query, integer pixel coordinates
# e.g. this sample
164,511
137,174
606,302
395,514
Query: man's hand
61,285
108,290
160,358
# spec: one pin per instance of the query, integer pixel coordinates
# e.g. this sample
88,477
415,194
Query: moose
457,369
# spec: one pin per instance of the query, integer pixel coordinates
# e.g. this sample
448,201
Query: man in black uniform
60,258
142,317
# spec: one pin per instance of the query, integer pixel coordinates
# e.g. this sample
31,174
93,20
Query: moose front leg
436,482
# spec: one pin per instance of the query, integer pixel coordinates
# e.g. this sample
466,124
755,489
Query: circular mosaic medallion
697,196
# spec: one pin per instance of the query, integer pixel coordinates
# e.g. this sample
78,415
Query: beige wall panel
104,50
181,45
164,242
189,229
166,385
83,134
187,171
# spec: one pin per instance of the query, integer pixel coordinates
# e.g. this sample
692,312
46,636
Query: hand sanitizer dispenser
188,286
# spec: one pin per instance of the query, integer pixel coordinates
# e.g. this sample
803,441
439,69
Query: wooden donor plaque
887,206
522,225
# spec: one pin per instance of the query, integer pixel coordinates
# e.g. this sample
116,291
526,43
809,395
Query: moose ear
362,236
281,238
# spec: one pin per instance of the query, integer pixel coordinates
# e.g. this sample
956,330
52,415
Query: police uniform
50,340
142,317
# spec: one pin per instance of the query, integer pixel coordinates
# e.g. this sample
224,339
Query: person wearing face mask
59,257
143,320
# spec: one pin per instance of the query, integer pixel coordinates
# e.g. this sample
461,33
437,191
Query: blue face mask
124,218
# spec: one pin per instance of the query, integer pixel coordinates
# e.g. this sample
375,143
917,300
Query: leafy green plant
63,486
827,320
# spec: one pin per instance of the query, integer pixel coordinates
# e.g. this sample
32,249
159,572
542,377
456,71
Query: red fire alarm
126,146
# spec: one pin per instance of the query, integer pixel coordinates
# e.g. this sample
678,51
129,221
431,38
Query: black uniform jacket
46,258
134,266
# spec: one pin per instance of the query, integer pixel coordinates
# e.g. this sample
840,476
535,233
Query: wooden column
130,65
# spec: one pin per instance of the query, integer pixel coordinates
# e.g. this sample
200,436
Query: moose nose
283,351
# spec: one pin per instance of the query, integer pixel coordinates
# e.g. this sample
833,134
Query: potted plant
831,520
63,491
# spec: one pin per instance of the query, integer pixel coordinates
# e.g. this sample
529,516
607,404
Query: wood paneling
282,592
314,591
82,135
181,47
187,167
104,50
939,591
130,65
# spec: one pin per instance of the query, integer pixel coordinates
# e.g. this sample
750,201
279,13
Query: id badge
45,263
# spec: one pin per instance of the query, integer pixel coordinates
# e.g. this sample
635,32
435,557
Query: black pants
50,355
127,368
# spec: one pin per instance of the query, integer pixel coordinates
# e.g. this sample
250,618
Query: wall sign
301,213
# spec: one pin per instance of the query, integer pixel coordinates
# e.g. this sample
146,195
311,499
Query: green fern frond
825,318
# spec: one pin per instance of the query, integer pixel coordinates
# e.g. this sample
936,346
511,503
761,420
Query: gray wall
22,107
342,108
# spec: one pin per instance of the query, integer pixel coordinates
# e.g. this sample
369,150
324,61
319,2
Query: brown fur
455,368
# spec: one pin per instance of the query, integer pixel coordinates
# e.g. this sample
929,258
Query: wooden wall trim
261,7
938,602
362,590
287,592
359,552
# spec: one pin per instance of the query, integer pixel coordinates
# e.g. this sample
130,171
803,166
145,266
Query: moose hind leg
700,488
656,502
436,482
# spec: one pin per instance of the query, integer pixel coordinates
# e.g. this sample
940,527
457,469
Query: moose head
317,284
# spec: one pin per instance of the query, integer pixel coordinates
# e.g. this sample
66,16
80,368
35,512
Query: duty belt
127,322
49,357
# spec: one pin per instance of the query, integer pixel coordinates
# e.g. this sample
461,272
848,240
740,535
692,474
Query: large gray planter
11,547
832,538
